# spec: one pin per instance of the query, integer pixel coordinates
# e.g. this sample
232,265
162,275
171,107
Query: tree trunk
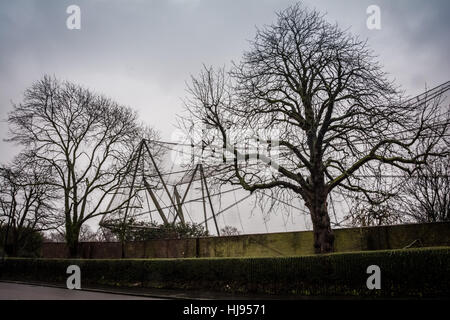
15,243
73,248
323,234
72,235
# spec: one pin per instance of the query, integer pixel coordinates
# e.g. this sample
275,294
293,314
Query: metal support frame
176,200
209,199
155,201
161,178
179,204
204,205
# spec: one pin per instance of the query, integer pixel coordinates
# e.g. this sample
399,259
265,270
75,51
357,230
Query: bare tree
87,141
26,201
426,193
363,214
423,196
106,235
86,235
229,231
341,124
55,236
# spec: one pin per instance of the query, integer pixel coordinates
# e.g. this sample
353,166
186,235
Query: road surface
15,291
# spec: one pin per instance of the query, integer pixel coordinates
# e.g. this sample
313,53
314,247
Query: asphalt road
15,291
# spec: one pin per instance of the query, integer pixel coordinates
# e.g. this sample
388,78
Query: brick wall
264,245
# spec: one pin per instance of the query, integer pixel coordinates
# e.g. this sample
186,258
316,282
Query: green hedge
412,272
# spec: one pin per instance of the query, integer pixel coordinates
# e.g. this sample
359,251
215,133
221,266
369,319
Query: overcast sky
141,53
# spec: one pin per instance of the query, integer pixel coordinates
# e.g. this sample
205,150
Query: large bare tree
340,123
85,139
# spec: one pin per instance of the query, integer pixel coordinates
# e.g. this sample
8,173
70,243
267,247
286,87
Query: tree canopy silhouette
336,113
85,139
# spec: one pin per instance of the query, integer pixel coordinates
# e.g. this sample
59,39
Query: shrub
134,230
412,272
22,242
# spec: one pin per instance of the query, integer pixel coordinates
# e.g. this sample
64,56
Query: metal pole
210,202
155,201
179,203
148,204
129,197
204,203
190,182
160,176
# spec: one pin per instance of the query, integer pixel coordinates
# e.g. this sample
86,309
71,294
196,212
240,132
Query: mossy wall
347,240
258,245
266,245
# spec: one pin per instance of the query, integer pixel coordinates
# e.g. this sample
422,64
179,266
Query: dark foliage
344,274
